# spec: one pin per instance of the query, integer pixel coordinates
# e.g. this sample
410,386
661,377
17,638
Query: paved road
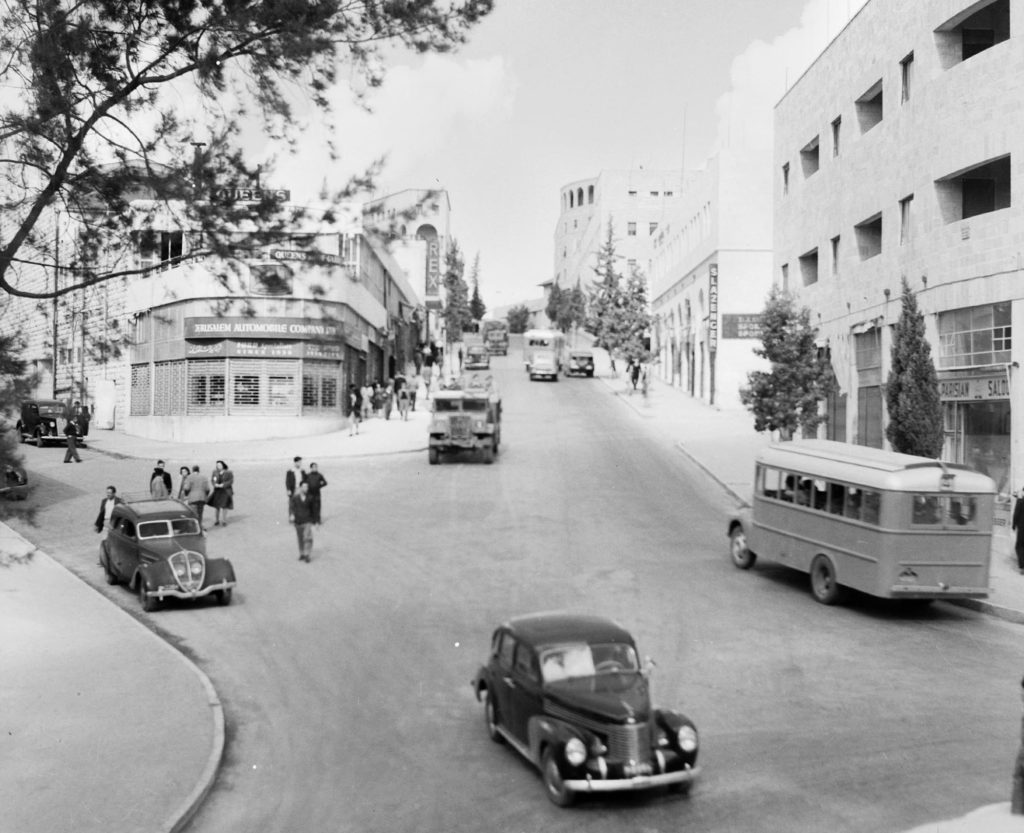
345,681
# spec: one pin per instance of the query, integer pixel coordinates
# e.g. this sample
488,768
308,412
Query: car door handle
509,682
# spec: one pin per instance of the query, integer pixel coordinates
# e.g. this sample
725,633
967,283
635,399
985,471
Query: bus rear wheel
824,586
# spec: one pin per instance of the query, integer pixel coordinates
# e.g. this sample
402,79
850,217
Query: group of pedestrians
196,490
304,488
399,395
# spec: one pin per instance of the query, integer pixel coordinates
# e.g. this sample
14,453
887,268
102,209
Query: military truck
466,416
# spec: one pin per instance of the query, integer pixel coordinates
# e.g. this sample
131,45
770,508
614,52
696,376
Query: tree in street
912,389
787,397
457,314
567,308
554,303
518,318
92,114
477,308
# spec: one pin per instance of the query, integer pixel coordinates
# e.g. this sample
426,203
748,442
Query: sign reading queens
306,329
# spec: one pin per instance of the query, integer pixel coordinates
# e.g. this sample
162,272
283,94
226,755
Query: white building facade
898,154
710,272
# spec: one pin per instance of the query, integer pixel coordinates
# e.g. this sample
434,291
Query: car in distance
568,693
545,365
581,363
477,357
157,549
42,421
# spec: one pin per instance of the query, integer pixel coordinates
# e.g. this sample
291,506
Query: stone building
898,154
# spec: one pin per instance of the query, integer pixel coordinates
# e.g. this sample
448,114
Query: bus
495,334
891,525
542,353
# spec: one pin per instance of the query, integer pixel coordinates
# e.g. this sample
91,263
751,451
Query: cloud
762,73
418,114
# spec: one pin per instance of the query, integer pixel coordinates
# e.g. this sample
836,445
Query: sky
550,91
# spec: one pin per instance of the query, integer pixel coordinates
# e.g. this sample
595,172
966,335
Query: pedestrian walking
160,484
1017,524
295,476
183,472
71,432
389,398
106,508
367,401
1017,793
197,490
222,498
355,409
315,482
460,358
403,402
301,514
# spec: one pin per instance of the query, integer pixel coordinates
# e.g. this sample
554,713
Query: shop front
976,424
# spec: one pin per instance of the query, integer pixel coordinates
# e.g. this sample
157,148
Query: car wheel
149,603
491,716
434,456
488,454
742,557
224,597
554,784
824,586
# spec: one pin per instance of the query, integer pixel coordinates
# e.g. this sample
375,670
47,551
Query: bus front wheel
824,586
742,557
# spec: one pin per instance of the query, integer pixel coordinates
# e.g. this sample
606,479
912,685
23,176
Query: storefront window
973,336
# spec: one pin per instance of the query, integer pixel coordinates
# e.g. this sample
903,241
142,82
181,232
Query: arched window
570,199
579,196
590,195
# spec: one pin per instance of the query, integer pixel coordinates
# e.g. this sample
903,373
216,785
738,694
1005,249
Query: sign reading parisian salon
310,329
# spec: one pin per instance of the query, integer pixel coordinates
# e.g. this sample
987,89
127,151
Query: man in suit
71,432
300,513
106,507
294,476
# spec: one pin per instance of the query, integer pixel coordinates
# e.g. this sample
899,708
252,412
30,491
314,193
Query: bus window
871,507
837,497
852,507
963,509
926,511
788,488
819,495
770,482
803,492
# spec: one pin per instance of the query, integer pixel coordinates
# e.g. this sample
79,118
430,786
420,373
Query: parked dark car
42,421
568,693
477,357
157,548
581,362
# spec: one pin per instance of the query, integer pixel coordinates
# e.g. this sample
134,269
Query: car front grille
189,569
629,742
460,427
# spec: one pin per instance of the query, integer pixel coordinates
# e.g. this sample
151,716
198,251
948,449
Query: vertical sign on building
433,267
712,328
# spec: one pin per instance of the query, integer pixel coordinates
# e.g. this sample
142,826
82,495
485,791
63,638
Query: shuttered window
206,386
140,390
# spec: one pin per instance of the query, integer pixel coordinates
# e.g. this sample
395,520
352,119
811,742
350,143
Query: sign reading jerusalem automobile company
277,328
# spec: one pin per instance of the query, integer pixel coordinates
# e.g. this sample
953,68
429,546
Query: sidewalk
107,728
723,443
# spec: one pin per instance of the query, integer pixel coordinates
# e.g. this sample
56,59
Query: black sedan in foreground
568,693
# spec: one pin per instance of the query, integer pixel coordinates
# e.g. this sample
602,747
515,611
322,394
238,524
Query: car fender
544,731
218,570
671,722
154,573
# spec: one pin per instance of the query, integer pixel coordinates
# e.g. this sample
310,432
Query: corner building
899,153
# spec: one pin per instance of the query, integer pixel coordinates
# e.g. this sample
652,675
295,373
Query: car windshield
568,662
51,410
447,405
167,528
474,404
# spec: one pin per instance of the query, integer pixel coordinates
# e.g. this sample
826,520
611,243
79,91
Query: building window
785,277
837,123
869,237
785,179
906,77
631,193
670,193
631,229
809,267
652,227
579,197
809,158
590,194
835,255
972,32
905,228
869,107
630,266
572,198
206,386
140,390
868,352
975,336
978,190
654,193
154,248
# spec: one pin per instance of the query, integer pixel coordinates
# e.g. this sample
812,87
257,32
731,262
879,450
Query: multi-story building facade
202,348
710,271
898,155
633,201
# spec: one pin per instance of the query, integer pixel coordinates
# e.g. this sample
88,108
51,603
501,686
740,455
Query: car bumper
636,782
162,593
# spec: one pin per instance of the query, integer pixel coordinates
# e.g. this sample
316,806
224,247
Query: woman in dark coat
223,497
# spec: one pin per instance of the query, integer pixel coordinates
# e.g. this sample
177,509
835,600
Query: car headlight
575,751
180,570
687,738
